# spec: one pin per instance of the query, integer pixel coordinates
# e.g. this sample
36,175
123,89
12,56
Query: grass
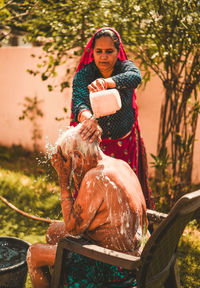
29,182
189,257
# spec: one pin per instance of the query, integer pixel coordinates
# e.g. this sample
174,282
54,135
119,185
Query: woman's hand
97,85
101,84
91,130
62,166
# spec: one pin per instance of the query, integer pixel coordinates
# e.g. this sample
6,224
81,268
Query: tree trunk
177,129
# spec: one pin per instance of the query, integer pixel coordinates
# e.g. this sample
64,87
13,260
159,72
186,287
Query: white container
105,102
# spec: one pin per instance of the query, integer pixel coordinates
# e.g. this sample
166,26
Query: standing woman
104,65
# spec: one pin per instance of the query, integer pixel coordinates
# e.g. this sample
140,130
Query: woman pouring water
104,65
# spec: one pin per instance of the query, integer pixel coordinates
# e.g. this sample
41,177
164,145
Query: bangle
80,114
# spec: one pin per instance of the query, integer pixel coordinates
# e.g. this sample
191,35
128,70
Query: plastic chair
156,267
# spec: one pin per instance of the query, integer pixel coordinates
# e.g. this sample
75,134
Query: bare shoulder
93,179
120,173
93,173
117,166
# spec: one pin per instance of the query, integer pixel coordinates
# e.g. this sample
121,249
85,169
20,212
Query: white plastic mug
105,102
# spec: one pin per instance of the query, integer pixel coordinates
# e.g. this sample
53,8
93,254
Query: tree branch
7,4
26,214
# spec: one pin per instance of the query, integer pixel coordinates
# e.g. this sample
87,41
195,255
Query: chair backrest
159,253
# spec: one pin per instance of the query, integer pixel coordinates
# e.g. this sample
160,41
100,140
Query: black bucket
13,266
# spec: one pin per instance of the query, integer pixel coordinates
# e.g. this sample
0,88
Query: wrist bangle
80,114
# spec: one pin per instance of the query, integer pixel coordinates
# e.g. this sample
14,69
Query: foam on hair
71,140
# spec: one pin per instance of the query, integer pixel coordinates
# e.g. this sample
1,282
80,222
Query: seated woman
109,210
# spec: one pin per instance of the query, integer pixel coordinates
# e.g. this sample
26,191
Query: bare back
111,197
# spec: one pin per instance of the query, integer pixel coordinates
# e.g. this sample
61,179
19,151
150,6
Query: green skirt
82,272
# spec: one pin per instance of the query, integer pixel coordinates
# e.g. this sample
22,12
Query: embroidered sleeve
130,77
80,97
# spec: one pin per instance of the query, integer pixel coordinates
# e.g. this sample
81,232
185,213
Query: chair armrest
155,217
92,251
96,252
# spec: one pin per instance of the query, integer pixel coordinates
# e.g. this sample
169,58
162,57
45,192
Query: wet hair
71,139
107,33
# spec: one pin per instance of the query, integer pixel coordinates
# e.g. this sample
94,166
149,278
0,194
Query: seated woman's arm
78,215
82,213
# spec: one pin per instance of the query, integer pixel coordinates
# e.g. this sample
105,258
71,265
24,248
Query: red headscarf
87,58
87,55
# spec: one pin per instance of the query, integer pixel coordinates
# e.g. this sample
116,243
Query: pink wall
16,84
